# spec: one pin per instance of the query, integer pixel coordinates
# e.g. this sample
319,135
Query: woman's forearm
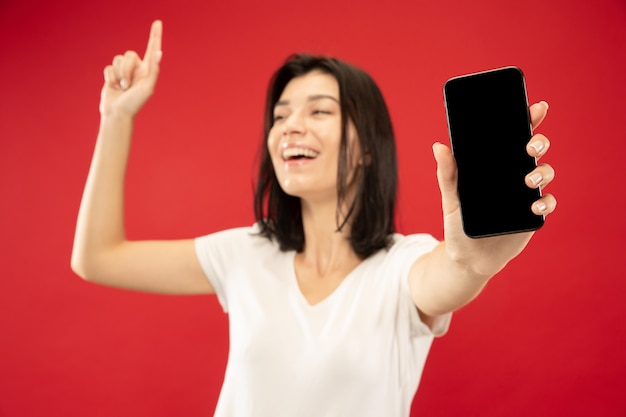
440,284
100,225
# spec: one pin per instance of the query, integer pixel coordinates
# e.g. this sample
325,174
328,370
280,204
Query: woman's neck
325,249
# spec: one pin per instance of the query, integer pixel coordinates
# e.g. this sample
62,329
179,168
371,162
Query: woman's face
304,140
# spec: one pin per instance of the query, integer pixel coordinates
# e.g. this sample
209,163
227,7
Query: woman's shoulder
405,249
240,231
402,251
237,239
423,241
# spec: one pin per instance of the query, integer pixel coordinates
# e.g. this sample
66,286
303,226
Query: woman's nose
294,124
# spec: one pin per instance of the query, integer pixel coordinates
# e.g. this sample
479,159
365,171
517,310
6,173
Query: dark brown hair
371,214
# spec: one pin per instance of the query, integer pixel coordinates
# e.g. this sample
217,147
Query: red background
546,337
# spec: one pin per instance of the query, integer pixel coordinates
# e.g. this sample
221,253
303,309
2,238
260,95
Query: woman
331,313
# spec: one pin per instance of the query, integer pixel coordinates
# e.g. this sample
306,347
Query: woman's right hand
101,252
129,81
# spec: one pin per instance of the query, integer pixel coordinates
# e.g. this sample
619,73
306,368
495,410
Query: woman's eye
318,111
278,117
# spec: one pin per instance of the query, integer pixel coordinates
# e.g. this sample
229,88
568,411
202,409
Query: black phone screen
489,126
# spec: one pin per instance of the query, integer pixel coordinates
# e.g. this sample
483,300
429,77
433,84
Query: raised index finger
153,50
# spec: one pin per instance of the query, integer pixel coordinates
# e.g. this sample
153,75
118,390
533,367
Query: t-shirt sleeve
408,249
218,253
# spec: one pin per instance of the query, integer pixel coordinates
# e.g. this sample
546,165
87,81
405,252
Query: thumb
446,177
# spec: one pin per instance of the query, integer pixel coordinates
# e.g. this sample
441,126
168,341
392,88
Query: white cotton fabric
359,352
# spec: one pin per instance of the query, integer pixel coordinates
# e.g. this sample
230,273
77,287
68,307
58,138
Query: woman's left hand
487,256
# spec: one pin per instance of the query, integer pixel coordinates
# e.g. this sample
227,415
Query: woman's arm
101,252
457,270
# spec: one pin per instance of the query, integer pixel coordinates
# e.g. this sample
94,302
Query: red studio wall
545,338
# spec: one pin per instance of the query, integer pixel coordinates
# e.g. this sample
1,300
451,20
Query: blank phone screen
489,128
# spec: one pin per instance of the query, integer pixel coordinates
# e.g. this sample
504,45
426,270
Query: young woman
331,313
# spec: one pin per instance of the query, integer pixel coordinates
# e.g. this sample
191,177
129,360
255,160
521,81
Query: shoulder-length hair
371,214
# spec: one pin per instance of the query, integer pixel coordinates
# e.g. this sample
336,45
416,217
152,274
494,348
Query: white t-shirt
359,352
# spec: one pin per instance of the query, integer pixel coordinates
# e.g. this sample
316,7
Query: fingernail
536,178
541,207
123,83
157,56
545,104
537,146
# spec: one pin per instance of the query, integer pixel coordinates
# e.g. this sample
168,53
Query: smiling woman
331,312
323,94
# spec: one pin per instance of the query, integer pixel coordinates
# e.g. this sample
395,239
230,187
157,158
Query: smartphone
489,126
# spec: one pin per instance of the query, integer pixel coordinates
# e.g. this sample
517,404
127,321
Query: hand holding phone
490,127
